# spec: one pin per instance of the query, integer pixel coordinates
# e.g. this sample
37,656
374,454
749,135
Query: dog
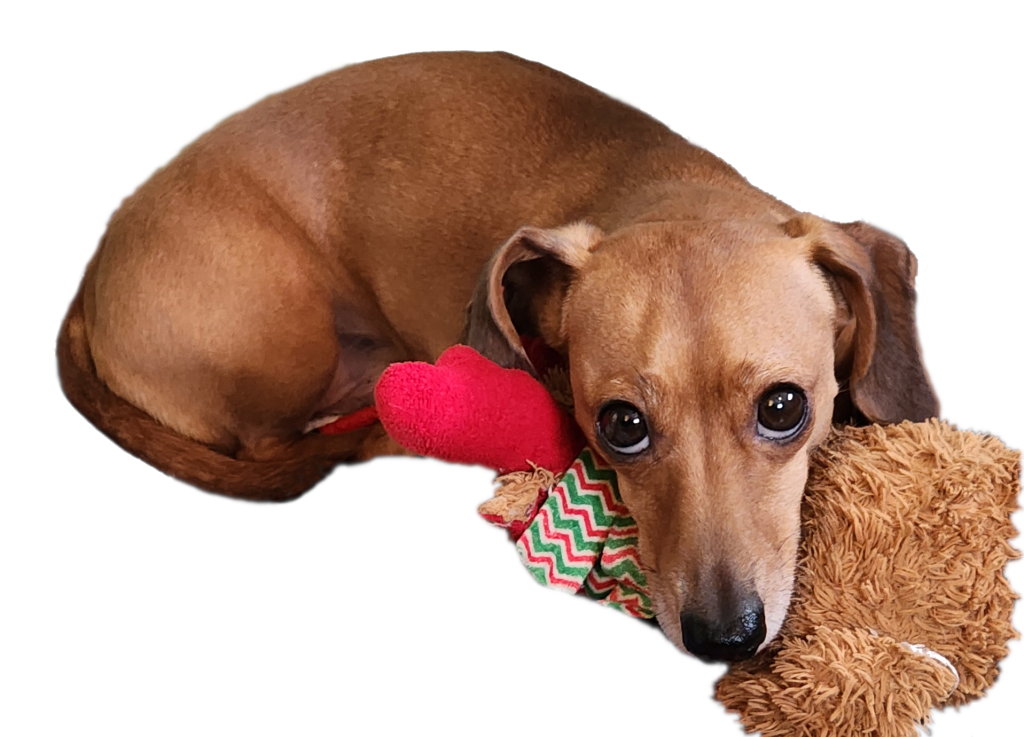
257,286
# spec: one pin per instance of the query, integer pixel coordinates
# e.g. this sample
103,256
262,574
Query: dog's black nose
725,641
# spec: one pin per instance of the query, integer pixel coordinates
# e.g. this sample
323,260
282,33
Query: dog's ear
877,348
522,290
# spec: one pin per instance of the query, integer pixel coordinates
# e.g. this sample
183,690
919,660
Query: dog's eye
782,412
624,428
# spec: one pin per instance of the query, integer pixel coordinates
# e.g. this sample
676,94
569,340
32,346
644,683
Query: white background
131,604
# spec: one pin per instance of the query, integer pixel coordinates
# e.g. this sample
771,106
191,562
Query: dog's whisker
786,541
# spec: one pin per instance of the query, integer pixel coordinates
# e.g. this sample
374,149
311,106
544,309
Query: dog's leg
234,332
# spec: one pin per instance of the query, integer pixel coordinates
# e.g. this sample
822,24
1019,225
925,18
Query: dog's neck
688,200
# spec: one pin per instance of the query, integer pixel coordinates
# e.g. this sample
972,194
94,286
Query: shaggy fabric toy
900,604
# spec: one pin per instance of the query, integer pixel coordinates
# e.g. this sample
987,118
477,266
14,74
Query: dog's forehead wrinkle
696,279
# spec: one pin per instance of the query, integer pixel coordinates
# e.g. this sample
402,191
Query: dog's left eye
782,412
623,428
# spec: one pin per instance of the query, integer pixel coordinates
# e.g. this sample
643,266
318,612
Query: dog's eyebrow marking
647,388
632,385
753,377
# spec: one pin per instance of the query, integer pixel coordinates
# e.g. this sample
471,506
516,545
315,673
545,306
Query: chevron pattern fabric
583,539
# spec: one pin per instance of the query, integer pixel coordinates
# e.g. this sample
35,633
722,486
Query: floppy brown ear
877,345
522,290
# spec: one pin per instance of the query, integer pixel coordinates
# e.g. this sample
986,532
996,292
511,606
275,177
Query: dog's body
261,282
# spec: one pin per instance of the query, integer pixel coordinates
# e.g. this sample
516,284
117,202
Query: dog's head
707,361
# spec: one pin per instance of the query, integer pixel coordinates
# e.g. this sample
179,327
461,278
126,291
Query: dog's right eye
623,428
782,412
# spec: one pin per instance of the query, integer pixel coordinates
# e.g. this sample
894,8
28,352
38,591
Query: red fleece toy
467,409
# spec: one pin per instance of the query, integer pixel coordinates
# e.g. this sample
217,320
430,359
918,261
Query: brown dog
261,282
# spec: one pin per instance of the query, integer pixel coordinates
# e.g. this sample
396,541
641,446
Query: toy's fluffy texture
906,532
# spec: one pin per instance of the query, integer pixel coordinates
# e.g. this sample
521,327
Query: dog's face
706,384
704,360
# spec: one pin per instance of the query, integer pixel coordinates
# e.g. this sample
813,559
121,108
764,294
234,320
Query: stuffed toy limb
900,603
467,409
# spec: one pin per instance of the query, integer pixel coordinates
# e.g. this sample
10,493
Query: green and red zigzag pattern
582,539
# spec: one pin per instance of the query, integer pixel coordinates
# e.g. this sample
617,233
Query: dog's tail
175,454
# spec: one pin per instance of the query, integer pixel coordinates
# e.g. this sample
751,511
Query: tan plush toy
900,604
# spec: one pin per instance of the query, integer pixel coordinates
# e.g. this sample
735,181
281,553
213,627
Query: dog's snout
730,638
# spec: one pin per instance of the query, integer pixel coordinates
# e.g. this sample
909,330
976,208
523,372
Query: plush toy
900,603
